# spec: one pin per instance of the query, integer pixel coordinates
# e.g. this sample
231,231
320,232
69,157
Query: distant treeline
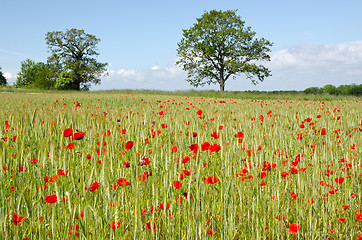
352,89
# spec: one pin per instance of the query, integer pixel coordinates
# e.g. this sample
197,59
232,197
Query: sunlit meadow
142,166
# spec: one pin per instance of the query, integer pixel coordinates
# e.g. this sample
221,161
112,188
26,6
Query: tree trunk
222,86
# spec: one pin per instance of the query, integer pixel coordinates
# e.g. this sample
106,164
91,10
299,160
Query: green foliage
35,75
330,89
64,82
353,89
74,51
219,46
3,81
313,90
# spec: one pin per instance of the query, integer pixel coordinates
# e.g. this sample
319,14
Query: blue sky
315,42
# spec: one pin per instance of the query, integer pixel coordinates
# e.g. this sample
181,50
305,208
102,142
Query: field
130,165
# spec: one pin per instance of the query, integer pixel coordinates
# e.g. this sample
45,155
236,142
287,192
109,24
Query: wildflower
339,180
214,148
68,132
94,186
163,206
70,146
78,135
113,224
51,198
294,228
211,180
177,184
205,146
129,145
17,219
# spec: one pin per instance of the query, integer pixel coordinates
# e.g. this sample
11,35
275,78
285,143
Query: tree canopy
36,75
75,51
218,46
3,81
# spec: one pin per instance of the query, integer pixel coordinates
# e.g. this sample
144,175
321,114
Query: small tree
3,81
74,51
26,75
36,75
218,46
330,89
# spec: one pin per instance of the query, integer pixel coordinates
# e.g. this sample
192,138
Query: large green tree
218,46
3,81
75,51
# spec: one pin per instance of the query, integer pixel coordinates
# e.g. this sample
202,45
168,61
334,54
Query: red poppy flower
323,131
148,226
81,214
185,159
194,148
123,182
68,132
266,166
342,219
17,219
70,146
205,146
129,145
262,175
51,179
280,217
294,170
177,184
174,149
12,188
214,148
345,207
215,135
199,112
113,224
187,172
294,228
144,161
210,231
239,135
163,206
78,135
50,198
339,180
126,164
358,216
211,180
62,172
94,186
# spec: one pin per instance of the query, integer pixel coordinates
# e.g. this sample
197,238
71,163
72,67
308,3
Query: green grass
233,208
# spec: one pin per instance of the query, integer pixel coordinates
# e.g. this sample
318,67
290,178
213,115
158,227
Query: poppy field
143,166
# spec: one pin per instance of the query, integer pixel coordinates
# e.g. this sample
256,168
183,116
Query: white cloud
156,77
125,75
295,68
155,68
309,55
9,76
310,65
